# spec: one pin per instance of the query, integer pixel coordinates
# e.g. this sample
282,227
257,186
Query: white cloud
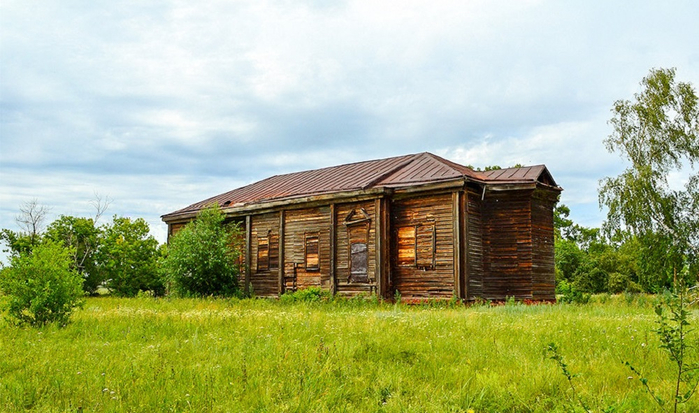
162,104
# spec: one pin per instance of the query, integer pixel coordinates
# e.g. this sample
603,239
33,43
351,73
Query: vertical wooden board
378,247
430,210
458,244
333,252
282,257
248,252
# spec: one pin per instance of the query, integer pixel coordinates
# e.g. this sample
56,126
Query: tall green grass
145,354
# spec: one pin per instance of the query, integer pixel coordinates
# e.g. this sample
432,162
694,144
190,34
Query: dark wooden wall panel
296,224
437,282
475,244
508,245
543,265
264,282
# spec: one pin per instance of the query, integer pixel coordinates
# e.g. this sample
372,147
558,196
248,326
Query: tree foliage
127,258
121,255
81,236
203,257
658,134
41,287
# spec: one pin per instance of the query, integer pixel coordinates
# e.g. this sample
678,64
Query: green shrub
41,287
202,258
306,295
570,294
617,282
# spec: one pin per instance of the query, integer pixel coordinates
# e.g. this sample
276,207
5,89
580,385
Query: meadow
215,355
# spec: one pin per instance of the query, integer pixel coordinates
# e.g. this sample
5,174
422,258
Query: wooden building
418,224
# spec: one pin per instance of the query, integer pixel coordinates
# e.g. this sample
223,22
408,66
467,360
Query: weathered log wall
474,237
427,221
264,265
298,225
507,239
543,265
357,228
496,244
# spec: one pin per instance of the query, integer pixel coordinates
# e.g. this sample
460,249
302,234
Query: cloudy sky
160,104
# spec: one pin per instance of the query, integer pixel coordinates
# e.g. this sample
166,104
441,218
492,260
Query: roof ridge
453,165
410,159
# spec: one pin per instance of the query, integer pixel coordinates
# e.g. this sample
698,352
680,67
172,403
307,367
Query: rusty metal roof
521,174
396,172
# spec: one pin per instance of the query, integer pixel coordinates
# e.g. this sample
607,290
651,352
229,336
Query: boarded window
425,245
273,252
263,254
359,256
358,223
406,246
268,252
416,246
312,256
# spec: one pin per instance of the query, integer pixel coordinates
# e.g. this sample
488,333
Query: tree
202,258
658,134
41,286
31,220
127,258
562,225
81,235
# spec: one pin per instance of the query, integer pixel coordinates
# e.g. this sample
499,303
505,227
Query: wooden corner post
248,252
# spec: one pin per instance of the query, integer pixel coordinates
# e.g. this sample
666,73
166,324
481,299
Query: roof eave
269,204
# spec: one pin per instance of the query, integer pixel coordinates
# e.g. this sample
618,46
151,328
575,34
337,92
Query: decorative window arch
358,224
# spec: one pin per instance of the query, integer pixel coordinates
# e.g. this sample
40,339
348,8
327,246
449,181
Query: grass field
147,355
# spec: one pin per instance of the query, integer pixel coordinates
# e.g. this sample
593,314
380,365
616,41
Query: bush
306,295
570,294
202,258
41,287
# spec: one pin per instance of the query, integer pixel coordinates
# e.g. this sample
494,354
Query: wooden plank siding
420,280
543,265
474,239
297,225
418,224
345,286
507,242
264,279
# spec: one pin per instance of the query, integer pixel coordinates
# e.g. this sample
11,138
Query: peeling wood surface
507,245
298,223
359,228
264,279
434,214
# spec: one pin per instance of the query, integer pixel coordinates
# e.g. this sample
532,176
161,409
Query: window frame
419,255
309,239
263,264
